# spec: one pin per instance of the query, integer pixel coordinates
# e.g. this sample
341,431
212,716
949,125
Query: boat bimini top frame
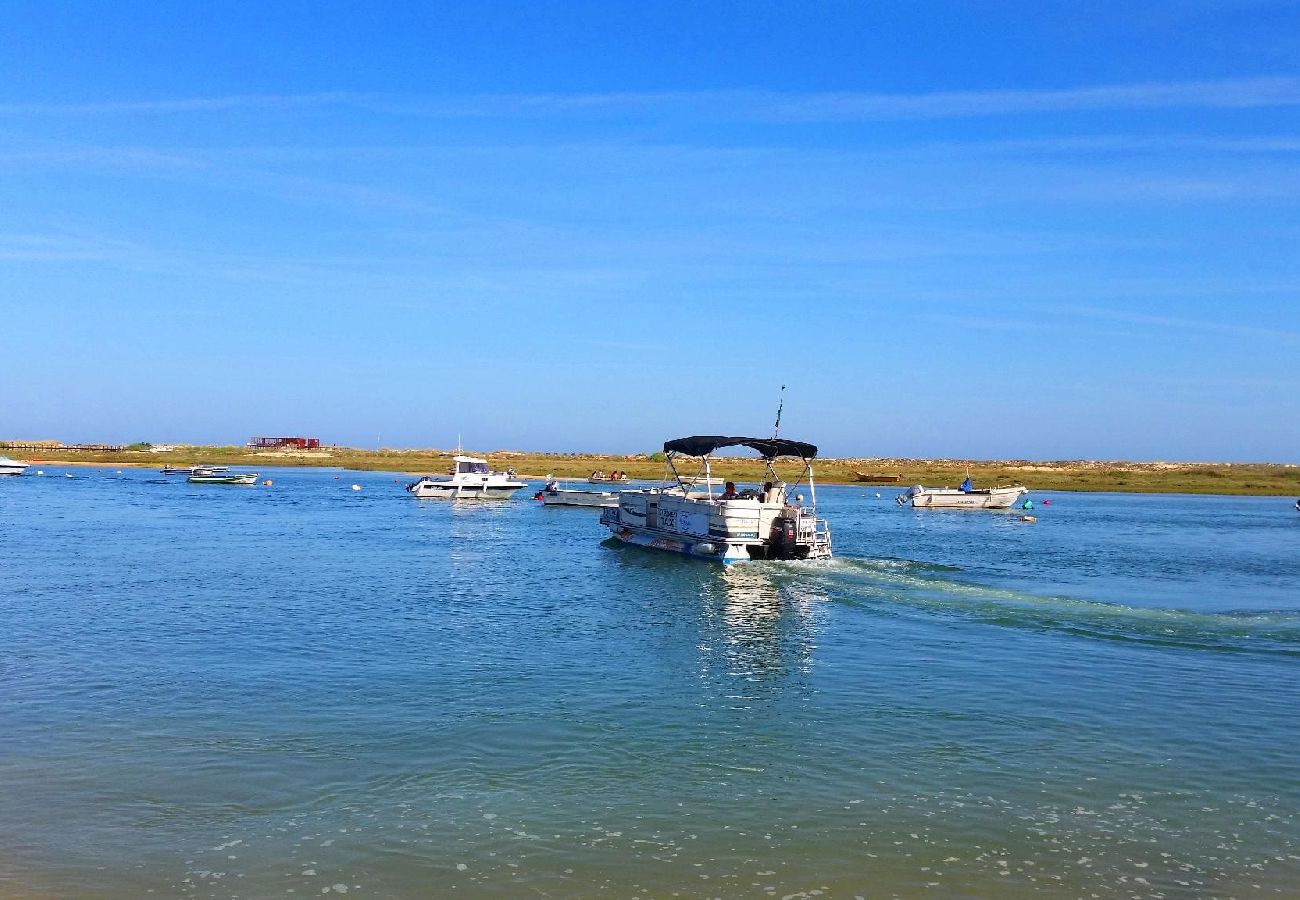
700,446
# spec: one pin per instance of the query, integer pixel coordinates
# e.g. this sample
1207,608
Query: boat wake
897,587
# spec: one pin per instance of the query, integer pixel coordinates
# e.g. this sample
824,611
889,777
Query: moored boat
470,478
220,475
768,521
877,478
965,497
190,470
12,466
554,495
616,477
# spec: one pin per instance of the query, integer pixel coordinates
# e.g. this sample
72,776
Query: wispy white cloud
1253,332
733,105
1223,94
179,105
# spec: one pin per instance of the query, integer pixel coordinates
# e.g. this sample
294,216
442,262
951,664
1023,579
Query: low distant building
282,443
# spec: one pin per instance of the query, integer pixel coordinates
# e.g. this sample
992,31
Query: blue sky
970,230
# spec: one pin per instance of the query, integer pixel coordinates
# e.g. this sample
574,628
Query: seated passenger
729,491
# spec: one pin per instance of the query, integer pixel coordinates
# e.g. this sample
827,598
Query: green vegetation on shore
1269,479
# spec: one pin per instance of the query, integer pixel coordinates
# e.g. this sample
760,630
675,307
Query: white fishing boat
12,466
767,521
470,478
190,470
702,480
965,497
220,475
555,495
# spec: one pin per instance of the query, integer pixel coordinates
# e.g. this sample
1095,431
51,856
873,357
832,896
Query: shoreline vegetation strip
1258,479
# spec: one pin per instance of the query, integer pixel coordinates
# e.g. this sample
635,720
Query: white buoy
877,495
67,474
40,471
356,487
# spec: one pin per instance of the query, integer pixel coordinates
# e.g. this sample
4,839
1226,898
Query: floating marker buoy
356,487
266,483
119,471
1029,518
40,471
1047,502
877,495
67,474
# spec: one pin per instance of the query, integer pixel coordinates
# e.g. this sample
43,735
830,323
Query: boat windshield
474,468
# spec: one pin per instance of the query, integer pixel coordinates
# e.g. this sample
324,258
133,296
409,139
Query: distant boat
554,495
877,478
190,470
220,475
970,498
11,466
470,478
616,477
701,480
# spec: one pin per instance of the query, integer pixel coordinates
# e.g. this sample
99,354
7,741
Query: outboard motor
785,536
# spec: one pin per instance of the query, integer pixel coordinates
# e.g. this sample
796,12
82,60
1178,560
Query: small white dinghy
554,495
220,475
965,497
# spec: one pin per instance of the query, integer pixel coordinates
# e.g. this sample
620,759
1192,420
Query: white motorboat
965,497
470,477
614,477
554,495
190,470
220,475
702,481
11,466
767,521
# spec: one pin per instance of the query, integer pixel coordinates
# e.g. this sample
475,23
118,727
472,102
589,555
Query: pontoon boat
767,521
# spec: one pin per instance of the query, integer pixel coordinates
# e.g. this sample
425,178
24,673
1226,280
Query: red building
297,443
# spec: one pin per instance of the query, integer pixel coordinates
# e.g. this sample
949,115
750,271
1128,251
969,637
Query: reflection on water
759,626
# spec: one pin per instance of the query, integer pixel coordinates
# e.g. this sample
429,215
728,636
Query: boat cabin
469,465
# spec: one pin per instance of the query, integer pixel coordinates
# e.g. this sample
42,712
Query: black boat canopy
771,448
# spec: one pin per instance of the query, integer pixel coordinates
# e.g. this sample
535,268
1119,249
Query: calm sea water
211,691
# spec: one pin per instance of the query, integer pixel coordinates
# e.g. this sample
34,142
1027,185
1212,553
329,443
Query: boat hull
727,532
8,469
427,491
587,499
947,498
681,545
223,479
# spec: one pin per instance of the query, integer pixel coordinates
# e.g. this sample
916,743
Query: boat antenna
776,429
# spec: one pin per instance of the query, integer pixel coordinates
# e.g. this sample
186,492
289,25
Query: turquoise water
211,691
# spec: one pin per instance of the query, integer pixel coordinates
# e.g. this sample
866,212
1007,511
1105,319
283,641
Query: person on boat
967,486
729,491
